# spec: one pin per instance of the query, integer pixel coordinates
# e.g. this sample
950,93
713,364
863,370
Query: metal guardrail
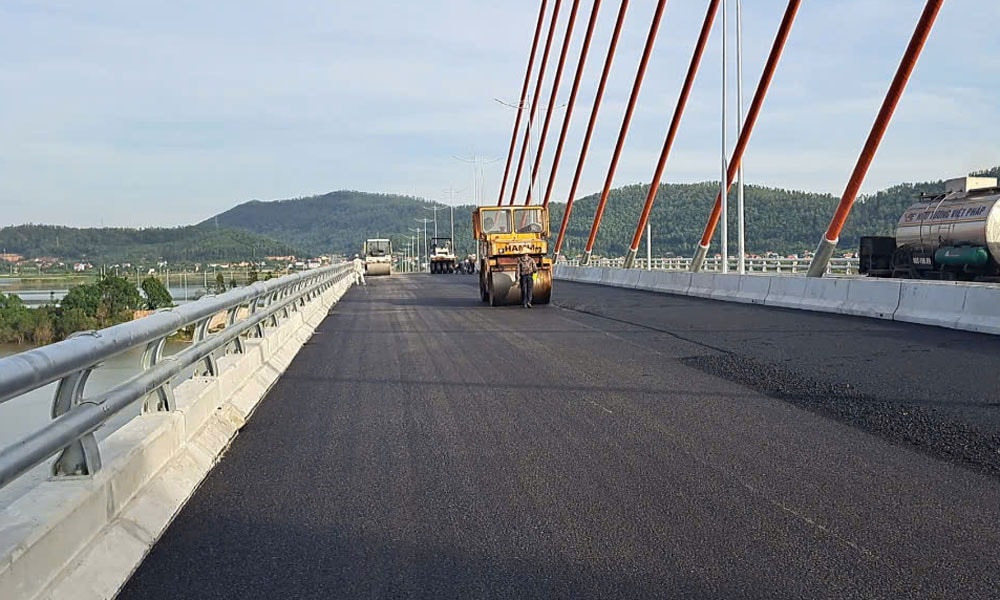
784,266
249,311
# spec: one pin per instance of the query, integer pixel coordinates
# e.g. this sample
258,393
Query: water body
40,297
31,411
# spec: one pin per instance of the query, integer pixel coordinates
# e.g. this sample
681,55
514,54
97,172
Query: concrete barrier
629,278
785,291
972,307
877,298
939,304
824,294
702,284
675,283
981,311
589,274
612,277
82,537
726,287
619,277
649,280
753,289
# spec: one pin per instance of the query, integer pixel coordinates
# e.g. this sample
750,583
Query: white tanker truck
949,236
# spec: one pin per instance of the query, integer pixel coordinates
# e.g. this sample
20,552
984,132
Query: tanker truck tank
953,236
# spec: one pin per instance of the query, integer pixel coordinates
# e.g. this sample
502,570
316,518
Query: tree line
111,245
777,220
109,301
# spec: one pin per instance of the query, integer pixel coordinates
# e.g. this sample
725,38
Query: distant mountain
777,220
141,246
339,222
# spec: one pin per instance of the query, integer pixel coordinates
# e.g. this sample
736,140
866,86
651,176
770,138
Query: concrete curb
971,307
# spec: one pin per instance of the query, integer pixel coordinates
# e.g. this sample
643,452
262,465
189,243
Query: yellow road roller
502,234
378,256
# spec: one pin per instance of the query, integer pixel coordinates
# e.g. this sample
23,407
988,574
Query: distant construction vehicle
378,256
443,256
503,234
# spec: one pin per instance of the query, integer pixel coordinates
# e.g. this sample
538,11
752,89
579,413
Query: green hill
339,222
117,244
778,220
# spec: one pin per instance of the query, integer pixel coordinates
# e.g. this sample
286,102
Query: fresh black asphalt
615,444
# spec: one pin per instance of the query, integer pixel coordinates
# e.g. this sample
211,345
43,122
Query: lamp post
415,244
451,199
435,209
478,175
426,249
532,184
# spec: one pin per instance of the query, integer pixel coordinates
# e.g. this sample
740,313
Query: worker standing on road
359,271
526,269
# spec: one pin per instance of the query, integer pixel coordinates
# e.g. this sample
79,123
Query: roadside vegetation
109,301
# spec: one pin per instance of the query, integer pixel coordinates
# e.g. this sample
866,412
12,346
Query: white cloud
130,113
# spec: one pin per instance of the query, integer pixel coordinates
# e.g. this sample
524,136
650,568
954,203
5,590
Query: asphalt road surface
614,444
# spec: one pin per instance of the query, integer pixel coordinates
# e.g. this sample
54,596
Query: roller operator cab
949,236
378,256
502,235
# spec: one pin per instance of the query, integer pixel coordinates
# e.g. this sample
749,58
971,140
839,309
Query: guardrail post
162,398
82,457
210,366
258,329
231,316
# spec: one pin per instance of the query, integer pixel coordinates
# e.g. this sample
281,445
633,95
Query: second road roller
378,256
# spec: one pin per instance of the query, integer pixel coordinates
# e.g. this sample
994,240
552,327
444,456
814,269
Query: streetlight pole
740,207
478,175
533,175
426,248
415,245
451,199
725,166
435,209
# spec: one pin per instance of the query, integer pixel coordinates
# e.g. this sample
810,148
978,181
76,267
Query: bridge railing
248,312
783,266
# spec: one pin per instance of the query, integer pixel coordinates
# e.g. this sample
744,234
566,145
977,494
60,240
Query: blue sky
137,113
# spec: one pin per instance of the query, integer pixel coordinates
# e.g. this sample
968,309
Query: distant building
11,257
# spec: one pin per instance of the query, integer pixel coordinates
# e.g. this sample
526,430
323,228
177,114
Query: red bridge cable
895,92
755,105
593,121
584,50
552,97
534,97
629,111
699,51
524,93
